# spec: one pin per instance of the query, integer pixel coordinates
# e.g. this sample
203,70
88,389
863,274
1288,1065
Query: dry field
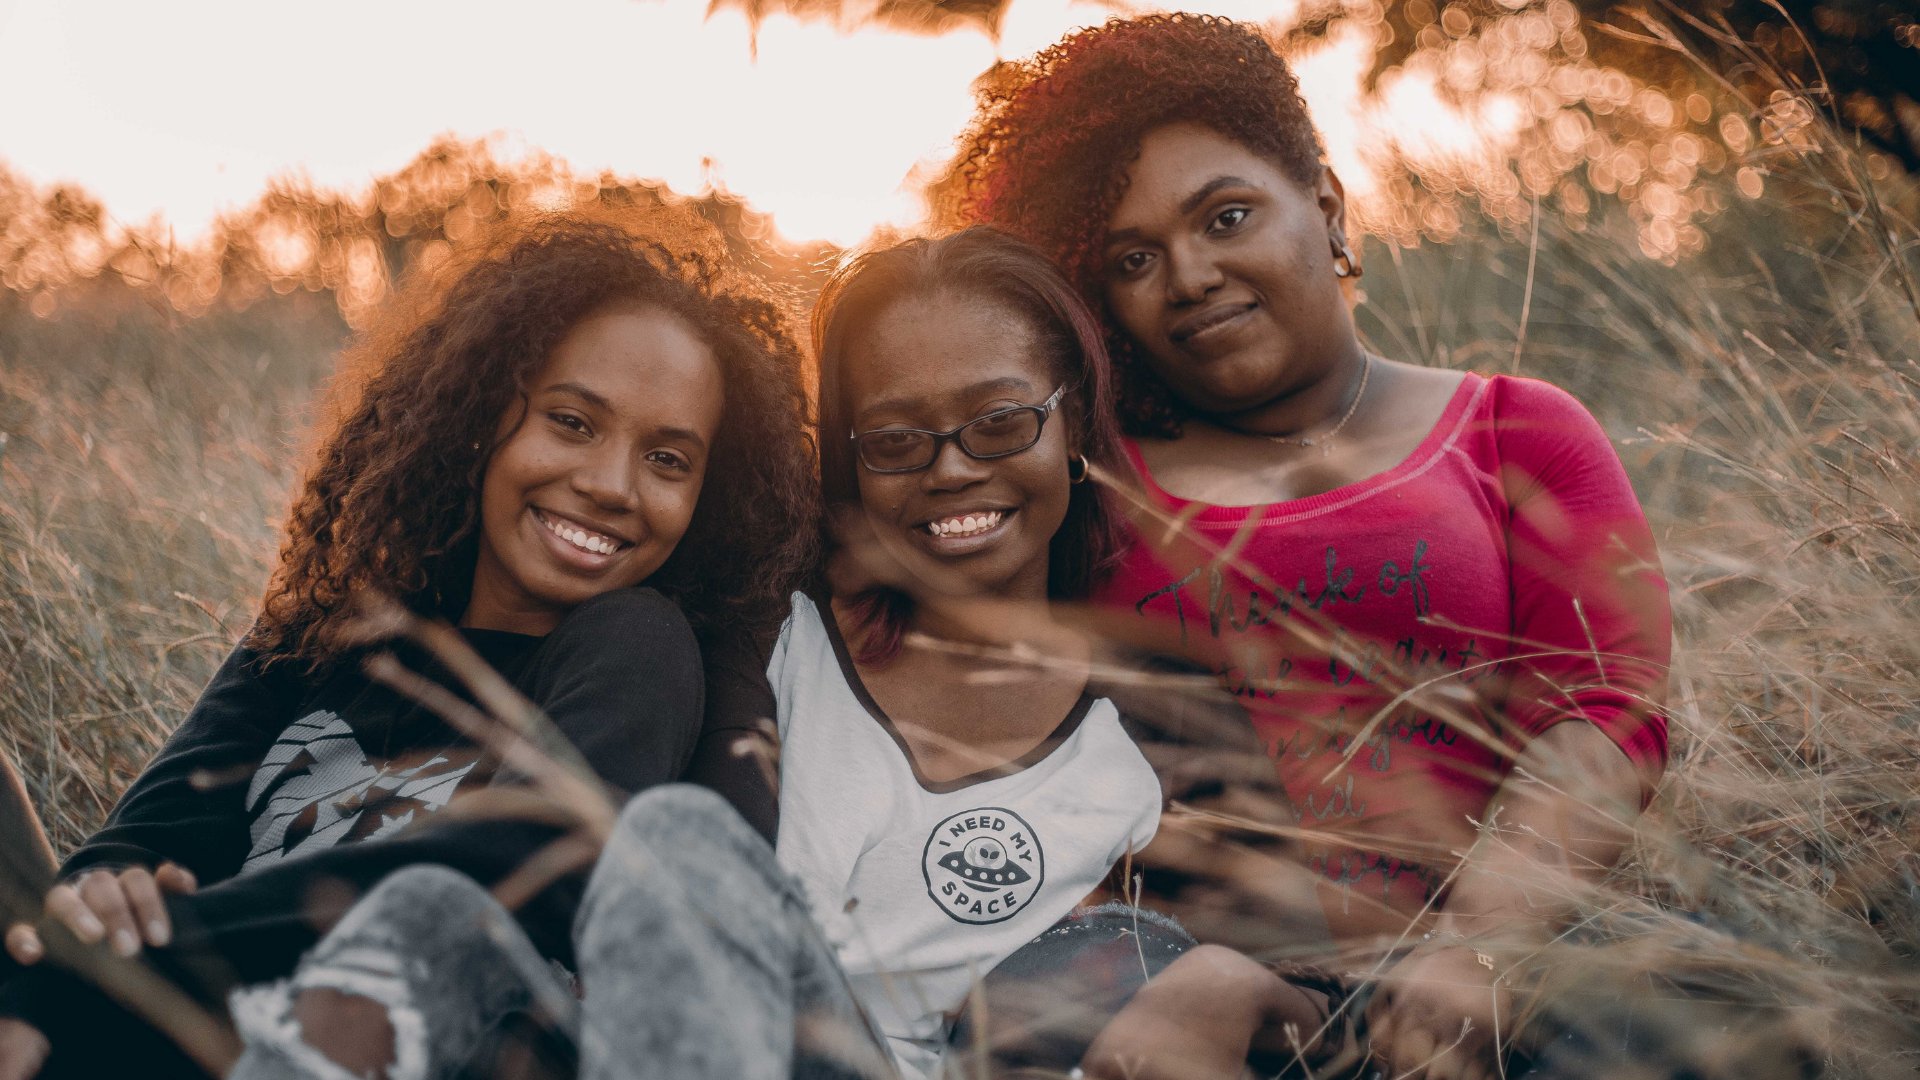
1766,396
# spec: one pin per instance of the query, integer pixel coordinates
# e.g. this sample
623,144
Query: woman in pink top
1435,592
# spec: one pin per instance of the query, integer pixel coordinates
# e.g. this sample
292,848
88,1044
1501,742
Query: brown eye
568,422
670,460
1229,219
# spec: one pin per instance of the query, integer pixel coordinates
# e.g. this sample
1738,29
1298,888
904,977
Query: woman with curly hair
1435,591
581,443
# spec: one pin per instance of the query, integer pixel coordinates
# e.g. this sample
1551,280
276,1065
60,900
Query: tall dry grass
146,459
1766,397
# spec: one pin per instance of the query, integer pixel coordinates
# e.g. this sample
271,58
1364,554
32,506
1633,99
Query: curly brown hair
391,502
1046,157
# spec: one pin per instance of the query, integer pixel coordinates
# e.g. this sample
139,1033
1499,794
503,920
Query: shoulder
619,638
626,616
1534,426
1522,404
805,625
249,679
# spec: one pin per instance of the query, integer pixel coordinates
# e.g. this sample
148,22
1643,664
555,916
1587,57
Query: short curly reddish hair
1047,154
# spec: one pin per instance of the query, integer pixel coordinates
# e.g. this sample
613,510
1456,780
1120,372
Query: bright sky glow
179,110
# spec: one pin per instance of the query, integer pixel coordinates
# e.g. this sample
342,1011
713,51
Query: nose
609,478
952,469
1191,275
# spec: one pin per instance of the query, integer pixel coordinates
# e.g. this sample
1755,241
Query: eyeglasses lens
896,451
994,435
1001,433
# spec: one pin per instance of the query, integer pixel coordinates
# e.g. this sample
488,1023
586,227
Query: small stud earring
1077,469
476,446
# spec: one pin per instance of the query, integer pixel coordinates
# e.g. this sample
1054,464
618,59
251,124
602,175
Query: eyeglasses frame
942,438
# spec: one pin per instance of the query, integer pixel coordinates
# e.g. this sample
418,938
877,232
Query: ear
1331,195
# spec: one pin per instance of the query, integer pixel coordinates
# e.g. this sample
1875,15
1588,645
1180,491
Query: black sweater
272,788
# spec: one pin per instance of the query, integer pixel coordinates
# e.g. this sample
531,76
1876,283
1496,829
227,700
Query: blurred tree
912,16
352,246
1860,56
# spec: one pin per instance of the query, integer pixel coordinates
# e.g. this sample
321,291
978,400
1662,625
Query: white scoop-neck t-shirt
924,886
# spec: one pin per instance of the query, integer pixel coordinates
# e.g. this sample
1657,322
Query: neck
1308,409
992,622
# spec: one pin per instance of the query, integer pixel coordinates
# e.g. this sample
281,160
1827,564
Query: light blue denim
698,959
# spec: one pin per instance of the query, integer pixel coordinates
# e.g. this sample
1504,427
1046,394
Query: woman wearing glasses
956,776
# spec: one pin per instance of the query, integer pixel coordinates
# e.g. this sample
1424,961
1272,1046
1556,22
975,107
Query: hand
1440,1014
859,562
1198,1019
122,907
23,1049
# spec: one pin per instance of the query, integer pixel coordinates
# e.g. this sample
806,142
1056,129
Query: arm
182,818
1592,625
1591,618
1221,861
739,750
1200,1019
188,805
620,679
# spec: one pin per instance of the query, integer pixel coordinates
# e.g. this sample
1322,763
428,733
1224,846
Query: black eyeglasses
998,434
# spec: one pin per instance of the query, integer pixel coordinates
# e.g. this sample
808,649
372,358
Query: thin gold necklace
1325,442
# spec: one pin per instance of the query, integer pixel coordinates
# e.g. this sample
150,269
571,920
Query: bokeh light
807,134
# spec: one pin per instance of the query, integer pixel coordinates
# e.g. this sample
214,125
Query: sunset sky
178,110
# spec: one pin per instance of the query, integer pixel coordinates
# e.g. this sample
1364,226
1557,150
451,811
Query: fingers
174,878
1411,1054
123,909
23,944
23,1049
1417,1048
104,896
65,906
149,914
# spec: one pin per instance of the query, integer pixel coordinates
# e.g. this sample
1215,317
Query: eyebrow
586,394
986,386
685,435
599,401
1187,205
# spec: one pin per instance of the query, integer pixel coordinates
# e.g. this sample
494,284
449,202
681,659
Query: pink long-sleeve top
1397,640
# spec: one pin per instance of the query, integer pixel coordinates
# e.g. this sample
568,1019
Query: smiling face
1220,267
593,487
935,362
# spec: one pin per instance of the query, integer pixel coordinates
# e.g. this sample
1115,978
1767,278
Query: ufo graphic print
983,866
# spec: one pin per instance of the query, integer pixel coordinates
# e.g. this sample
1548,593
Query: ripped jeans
698,958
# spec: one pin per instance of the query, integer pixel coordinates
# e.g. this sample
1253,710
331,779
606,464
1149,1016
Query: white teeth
580,538
966,524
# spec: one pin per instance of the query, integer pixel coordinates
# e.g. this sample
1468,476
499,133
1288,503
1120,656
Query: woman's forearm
1559,822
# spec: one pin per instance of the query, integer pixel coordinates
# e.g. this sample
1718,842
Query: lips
963,532
963,525
579,536
1209,321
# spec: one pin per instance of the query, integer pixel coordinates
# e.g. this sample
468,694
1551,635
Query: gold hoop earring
1343,264
1077,469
